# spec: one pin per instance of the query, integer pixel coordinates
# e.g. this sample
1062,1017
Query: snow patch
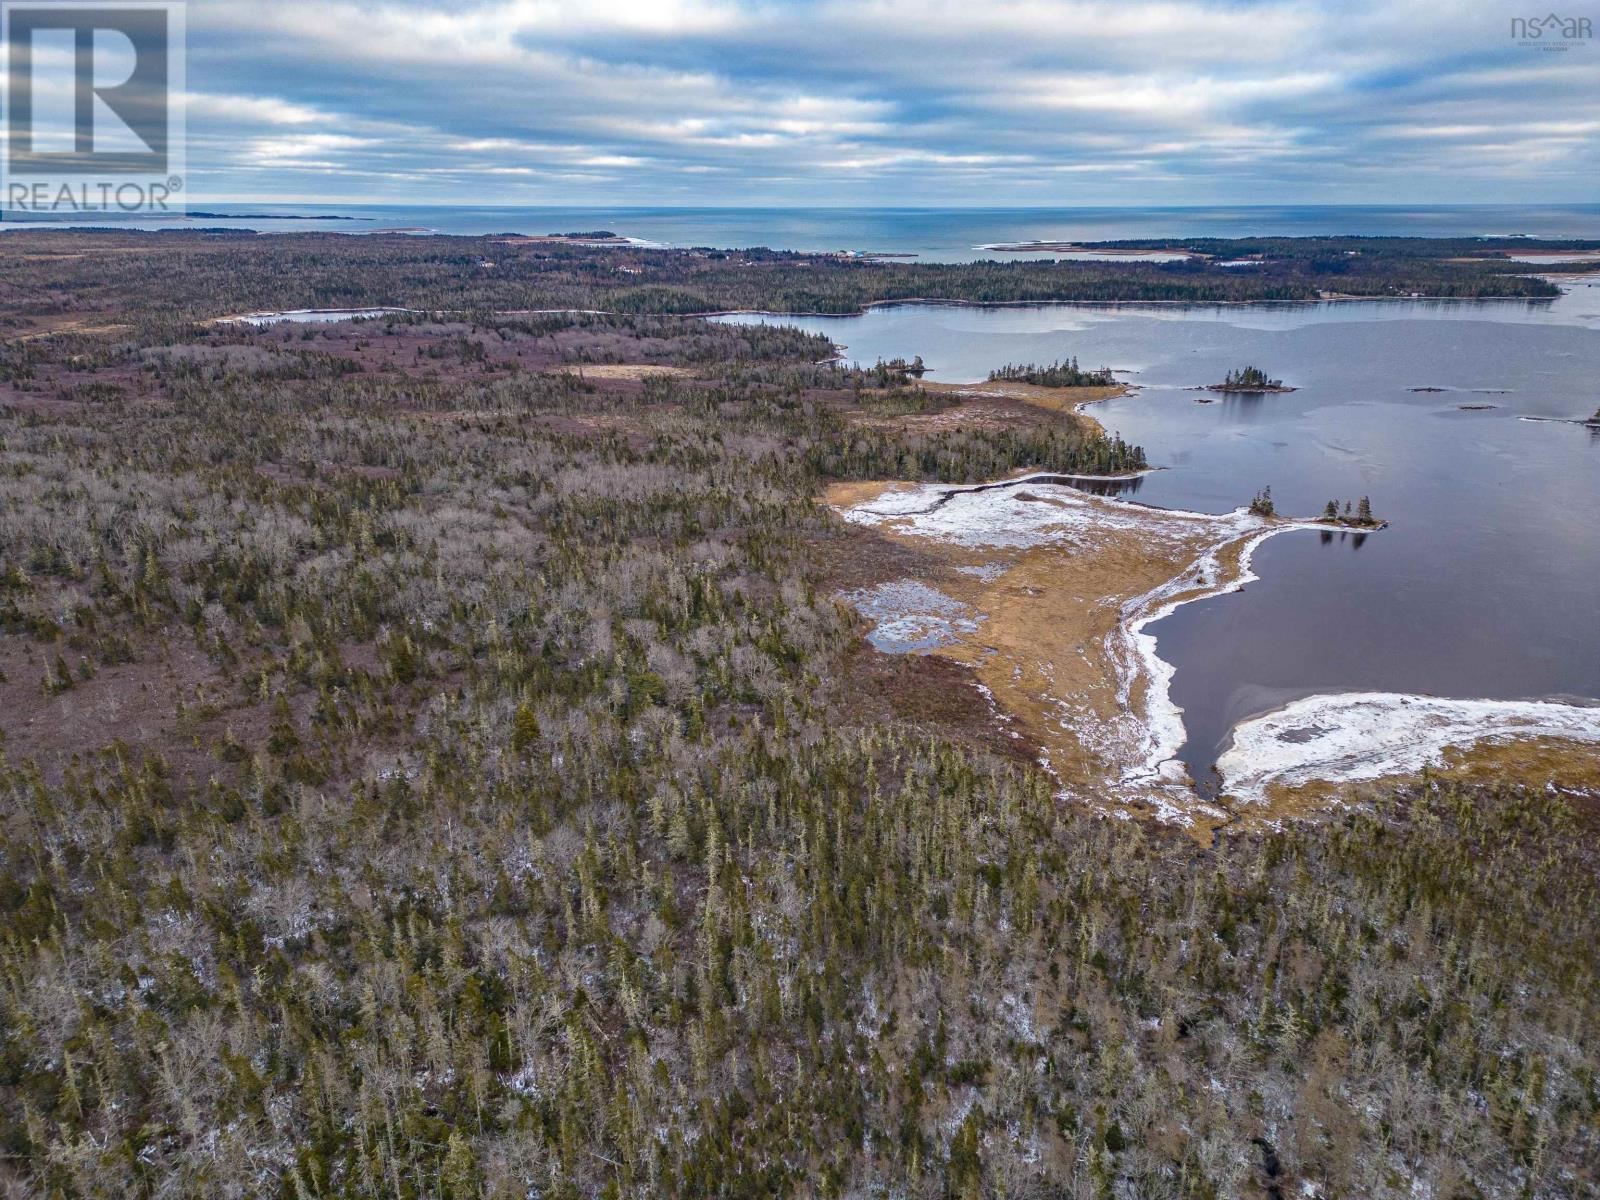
1356,736
1016,515
988,572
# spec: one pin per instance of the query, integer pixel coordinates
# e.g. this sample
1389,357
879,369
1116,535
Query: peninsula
1059,374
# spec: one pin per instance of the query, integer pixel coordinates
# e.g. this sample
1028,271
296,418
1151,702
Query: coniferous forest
1056,374
435,765
199,274
1249,379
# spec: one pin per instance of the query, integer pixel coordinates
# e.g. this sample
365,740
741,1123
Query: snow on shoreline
1352,736
1136,650
1144,743
1336,738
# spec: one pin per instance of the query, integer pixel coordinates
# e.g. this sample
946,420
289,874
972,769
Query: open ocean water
932,235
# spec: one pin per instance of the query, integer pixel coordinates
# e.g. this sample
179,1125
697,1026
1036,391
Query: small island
1594,421
1360,518
1357,515
1059,374
1249,379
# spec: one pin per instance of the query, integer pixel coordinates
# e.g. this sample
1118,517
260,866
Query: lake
315,316
1486,583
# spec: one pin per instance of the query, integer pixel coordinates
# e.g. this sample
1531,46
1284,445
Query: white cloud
812,99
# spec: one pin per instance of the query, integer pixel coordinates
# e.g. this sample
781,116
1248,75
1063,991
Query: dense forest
435,764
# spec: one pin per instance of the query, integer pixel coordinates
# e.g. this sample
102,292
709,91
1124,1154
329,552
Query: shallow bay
1483,586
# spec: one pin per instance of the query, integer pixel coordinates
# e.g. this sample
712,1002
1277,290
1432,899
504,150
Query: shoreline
711,314
1056,630
934,301
1109,253
1094,694
1329,740
1163,715
1067,401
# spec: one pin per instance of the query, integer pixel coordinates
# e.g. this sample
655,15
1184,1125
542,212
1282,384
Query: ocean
930,234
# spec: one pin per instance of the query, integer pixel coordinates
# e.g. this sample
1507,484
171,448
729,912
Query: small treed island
1249,379
438,762
1361,518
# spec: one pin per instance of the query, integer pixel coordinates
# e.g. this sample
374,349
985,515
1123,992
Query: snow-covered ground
1141,739
1335,738
999,516
1366,735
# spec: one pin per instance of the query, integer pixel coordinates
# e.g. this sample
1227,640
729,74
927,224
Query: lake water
315,316
931,234
1486,584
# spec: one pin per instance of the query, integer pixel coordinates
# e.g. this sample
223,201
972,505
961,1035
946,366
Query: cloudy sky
885,102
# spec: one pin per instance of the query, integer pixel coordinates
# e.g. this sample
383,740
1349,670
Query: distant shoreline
1075,248
203,215
1329,298
924,300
